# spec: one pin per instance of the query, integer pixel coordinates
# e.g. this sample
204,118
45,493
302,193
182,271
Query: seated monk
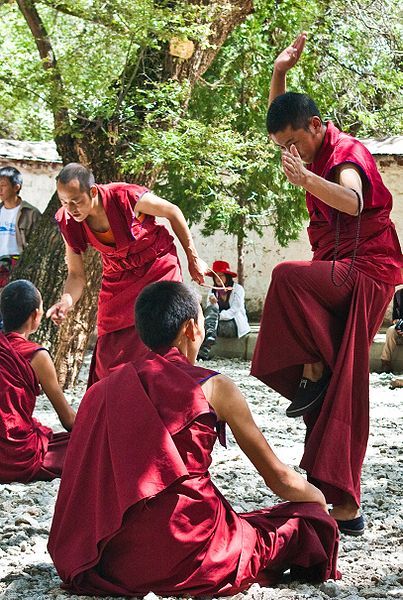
29,451
137,510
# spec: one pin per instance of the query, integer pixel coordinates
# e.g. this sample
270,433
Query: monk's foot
350,525
344,513
310,395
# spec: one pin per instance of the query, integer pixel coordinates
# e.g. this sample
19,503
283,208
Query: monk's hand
197,268
319,498
293,167
58,312
290,56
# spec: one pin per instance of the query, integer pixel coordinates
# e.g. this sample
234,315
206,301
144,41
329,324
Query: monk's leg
313,371
53,461
346,510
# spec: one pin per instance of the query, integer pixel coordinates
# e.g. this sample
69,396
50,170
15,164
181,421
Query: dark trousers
213,327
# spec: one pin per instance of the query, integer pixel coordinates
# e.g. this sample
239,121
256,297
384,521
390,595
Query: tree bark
43,260
241,258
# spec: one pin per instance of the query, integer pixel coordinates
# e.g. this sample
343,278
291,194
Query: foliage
207,143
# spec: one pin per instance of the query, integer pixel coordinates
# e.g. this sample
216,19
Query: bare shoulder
223,395
42,364
219,384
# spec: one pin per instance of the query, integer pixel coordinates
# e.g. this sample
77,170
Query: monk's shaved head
18,301
161,309
291,110
75,171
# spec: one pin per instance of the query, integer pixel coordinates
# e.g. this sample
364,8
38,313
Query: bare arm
346,195
73,287
45,370
150,204
230,406
283,63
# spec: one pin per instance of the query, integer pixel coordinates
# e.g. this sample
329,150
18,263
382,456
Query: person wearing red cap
225,312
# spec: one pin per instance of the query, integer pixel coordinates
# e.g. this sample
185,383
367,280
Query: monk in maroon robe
118,220
29,451
320,316
137,510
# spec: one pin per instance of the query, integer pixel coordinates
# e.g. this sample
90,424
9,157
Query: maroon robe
307,318
29,451
23,440
138,512
26,348
143,252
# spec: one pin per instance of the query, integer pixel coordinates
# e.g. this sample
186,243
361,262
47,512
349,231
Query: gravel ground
372,566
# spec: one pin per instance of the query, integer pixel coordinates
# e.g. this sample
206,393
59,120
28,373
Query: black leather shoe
309,395
354,527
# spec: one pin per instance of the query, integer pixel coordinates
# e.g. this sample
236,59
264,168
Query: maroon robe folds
25,347
29,451
23,440
307,318
143,252
138,512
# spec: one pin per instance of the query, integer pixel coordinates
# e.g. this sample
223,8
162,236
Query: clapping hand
293,166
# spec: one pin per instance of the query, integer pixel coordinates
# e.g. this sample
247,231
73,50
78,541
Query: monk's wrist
67,300
191,254
307,180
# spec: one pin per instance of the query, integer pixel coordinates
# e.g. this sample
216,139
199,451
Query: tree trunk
43,260
241,258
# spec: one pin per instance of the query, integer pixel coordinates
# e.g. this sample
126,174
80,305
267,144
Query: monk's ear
316,124
190,330
37,314
93,191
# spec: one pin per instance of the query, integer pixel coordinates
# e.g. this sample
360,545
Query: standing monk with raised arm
320,316
118,219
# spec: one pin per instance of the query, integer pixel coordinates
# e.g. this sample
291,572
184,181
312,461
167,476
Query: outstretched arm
73,287
150,204
283,63
230,406
45,370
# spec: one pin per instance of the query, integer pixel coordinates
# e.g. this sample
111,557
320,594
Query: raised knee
288,271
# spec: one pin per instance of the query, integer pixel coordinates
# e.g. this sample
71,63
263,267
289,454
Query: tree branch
98,18
227,15
65,143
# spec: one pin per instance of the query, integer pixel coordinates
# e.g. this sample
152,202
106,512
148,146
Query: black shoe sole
301,410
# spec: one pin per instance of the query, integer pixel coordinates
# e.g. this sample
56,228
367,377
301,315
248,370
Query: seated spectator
394,334
225,313
137,510
17,221
29,451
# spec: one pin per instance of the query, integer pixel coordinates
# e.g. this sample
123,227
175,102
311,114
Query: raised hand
293,166
290,56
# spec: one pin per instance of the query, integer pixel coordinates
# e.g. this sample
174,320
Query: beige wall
262,254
